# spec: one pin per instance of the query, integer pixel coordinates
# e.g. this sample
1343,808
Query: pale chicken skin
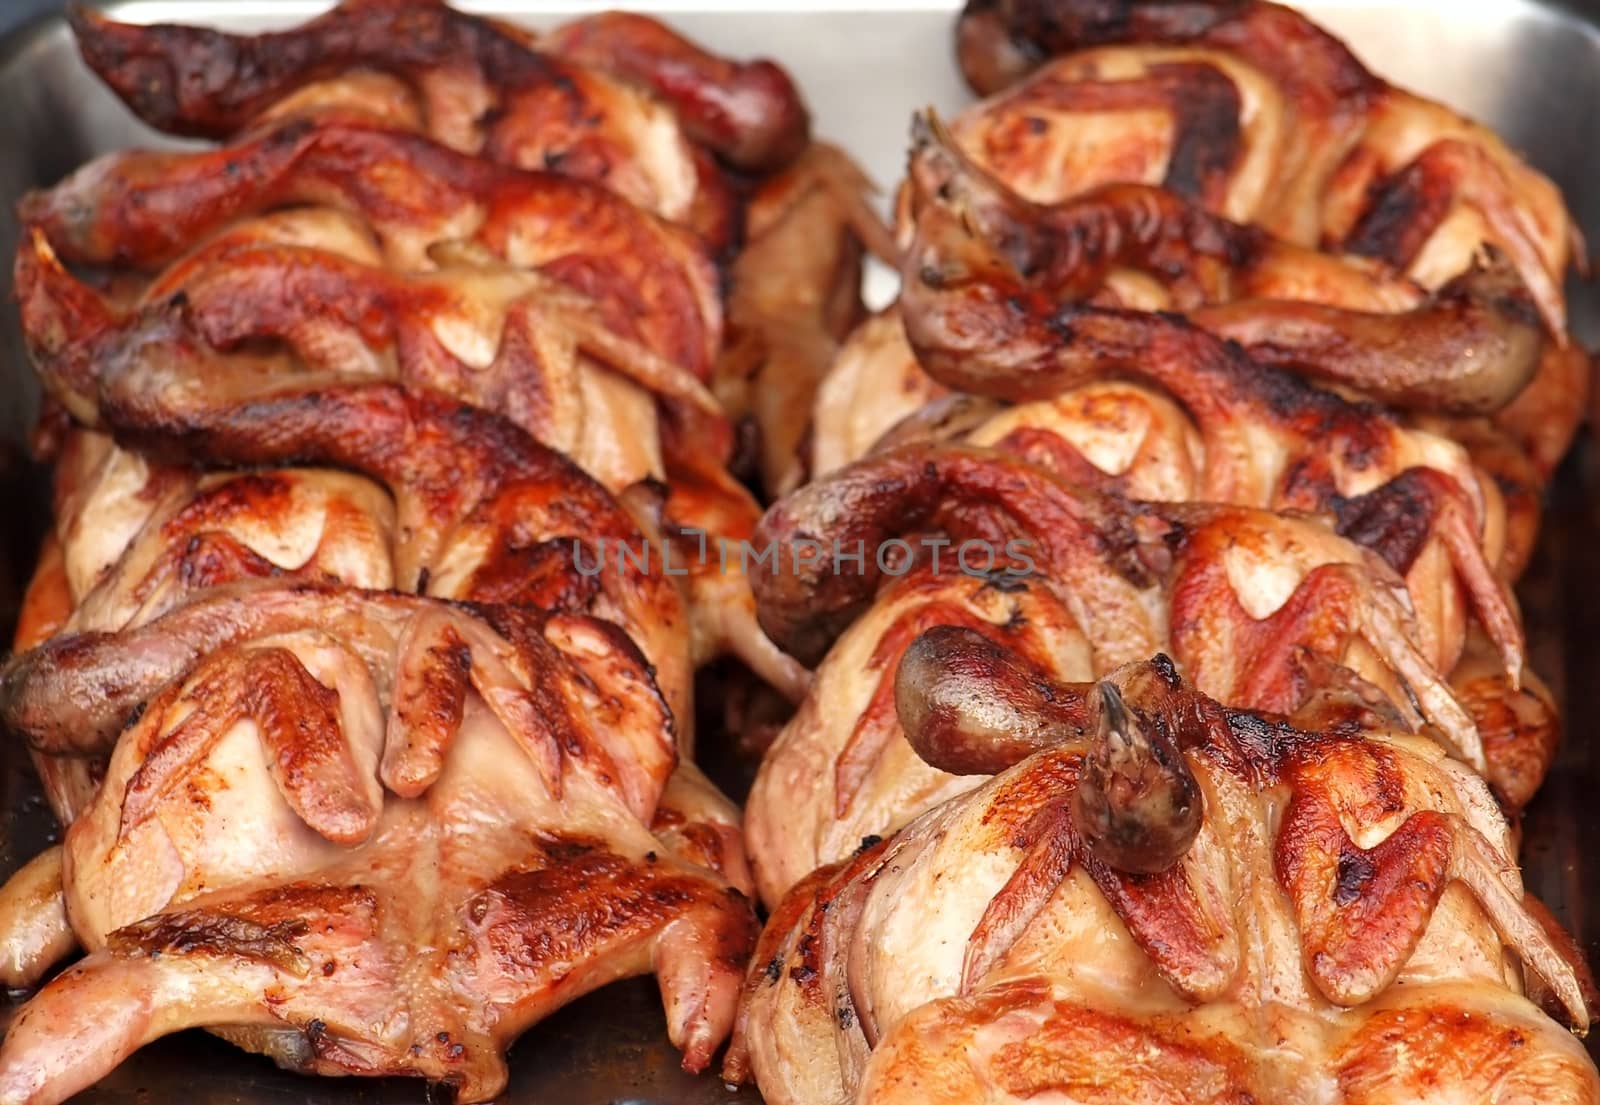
132,537
1261,610
1348,926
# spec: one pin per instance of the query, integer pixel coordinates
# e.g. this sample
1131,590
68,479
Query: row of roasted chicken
476,799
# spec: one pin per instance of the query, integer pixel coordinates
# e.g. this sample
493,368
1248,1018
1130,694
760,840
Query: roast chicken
1159,898
1262,610
1255,113
544,298
615,98
1186,254
1252,110
1153,552
361,700
362,832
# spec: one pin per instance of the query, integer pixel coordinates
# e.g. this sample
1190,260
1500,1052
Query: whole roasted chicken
585,320
357,698
1253,112
1260,609
1159,898
362,833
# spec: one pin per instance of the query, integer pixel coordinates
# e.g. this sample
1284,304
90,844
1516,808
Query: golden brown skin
1126,439
132,538
1520,727
1257,114
1338,931
1327,154
979,323
633,311
1469,348
509,340
589,110
195,81
143,209
241,867
483,510
1185,557
1259,609
750,113
970,707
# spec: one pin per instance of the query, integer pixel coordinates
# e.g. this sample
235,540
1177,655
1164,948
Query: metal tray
1531,70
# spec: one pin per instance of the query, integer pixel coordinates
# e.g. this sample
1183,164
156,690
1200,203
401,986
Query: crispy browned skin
1311,61
1329,157
1357,163
484,510
481,87
979,322
144,209
506,869
130,539
1521,728
192,80
250,293
750,113
804,603
935,970
108,677
1470,348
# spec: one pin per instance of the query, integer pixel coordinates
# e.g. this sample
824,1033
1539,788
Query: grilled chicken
1346,925
981,321
552,352
1261,610
613,98
1471,347
428,667
145,210
1255,113
1259,114
363,833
